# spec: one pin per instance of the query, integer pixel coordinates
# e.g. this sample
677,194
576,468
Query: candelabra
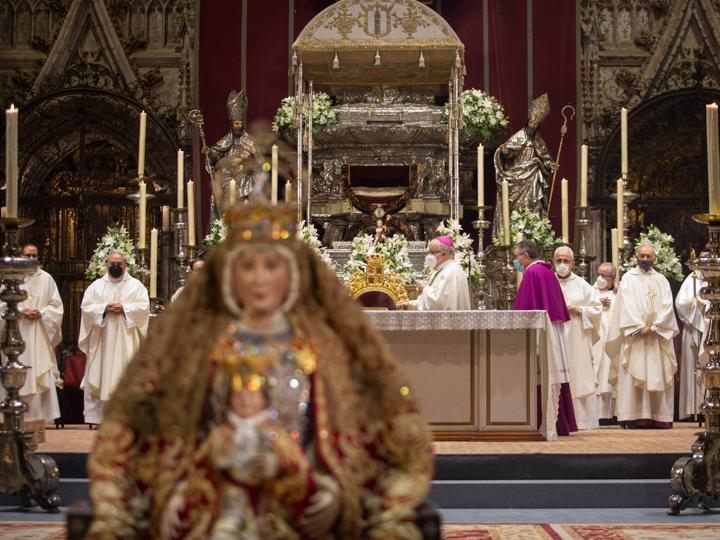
628,198
510,277
696,480
21,470
181,254
582,267
143,269
480,224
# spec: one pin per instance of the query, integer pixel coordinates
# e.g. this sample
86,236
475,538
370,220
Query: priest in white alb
640,337
447,288
691,310
41,329
581,333
115,311
605,285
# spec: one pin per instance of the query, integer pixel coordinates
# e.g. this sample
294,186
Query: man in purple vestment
540,289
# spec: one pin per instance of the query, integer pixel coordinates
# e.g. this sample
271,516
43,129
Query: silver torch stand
582,255
480,225
510,281
181,253
695,480
35,478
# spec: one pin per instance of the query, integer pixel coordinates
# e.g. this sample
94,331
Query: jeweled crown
539,109
260,222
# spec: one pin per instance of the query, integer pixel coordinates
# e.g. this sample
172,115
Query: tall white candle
583,175
142,215
713,157
624,140
274,175
141,144
620,212
180,179
11,161
153,262
565,212
165,218
481,175
232,195
614,247
506,212
191,212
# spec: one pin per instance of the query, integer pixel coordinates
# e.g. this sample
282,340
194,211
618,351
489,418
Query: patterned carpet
56,531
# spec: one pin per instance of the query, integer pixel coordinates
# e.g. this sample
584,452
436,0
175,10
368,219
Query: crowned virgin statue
233,157
262,405
524,161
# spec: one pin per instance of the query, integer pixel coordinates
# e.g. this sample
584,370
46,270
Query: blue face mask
645,265
518,266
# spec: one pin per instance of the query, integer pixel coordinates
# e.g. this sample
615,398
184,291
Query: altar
475,373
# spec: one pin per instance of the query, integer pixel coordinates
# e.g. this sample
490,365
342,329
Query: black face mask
115,270
645,265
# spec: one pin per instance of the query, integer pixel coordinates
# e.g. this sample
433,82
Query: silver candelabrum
695,480
583,222
626,248
480,225
22,472
510,275
181,251
143,269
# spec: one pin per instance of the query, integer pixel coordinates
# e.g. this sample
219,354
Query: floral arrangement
116,238
394,249
531,226
215,235
464,253
482,113
308,233
324,114
667,261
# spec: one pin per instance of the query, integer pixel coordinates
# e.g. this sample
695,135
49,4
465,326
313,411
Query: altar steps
499,481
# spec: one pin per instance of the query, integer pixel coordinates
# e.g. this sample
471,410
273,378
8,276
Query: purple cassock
540,289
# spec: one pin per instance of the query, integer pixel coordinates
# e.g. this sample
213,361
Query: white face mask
430,261
602,283
562,269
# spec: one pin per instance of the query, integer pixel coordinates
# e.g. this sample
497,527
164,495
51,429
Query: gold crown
375,263
260,222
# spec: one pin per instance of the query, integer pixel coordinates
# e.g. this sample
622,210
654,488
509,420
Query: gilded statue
232,157
263,404
524,161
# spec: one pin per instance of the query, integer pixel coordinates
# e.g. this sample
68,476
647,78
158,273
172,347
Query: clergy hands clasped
31,314
114,308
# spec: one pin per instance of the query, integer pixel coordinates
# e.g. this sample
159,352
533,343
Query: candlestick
180,179
165,218
614,247
274,175
480,225
565,211
11,161
506,212
142,215
583,175
481,175
191,212
713,157
582,257
232,195
141,144
153,262
288,192
620,213
624,140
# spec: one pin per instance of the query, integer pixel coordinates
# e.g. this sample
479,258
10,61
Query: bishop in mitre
691,310
41,329
447,288
581,332
640,337
605,285
115,311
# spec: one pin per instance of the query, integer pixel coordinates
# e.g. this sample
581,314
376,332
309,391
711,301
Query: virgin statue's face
262,282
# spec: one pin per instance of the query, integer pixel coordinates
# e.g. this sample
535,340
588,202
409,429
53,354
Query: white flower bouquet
116,238
309,234
482,113
324,114
667,261
394,249
215,235
532,227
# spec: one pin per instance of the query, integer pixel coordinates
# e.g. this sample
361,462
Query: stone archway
78,159
668,166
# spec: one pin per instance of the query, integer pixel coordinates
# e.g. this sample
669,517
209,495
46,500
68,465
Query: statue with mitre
524,161
232,157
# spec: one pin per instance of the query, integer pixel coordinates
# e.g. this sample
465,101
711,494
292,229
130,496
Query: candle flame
12,106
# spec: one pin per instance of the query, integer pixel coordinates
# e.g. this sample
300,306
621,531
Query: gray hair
564,249
114,252
611,266
529,247
646,243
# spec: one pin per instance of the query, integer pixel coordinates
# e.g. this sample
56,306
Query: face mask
562,270
518,266
645,265
601,283
115,270
430,261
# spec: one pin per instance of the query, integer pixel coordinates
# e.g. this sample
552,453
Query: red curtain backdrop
553,49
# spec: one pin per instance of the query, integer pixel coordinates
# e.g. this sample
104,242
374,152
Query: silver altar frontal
474,373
